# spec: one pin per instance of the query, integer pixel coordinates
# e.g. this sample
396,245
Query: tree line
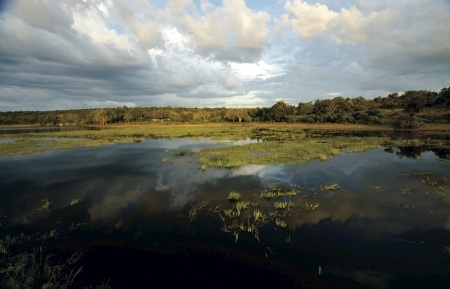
336,110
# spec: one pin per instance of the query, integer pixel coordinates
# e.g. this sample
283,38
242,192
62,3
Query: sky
71,54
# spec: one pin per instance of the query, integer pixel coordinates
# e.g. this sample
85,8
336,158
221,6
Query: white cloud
260,70
231,31
96,53
350,25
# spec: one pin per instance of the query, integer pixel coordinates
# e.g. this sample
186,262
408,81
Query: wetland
220,206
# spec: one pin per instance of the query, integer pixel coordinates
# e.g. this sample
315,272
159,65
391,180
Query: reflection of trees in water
415,152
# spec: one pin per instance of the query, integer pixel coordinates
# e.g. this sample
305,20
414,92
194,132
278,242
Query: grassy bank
288,143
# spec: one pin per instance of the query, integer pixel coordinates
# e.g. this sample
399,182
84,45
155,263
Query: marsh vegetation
306,200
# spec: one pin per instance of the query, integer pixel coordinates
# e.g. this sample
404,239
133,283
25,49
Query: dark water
43,129
135,226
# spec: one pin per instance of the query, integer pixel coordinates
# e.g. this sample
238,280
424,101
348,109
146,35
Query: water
135,210
43,129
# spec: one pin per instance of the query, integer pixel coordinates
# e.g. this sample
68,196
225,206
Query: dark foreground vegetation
411,110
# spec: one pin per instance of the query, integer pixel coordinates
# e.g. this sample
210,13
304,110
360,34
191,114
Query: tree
101,117
241,113
304,108
413,102
231,114
339,104
204,114
321,106
127,117
186,116
280,110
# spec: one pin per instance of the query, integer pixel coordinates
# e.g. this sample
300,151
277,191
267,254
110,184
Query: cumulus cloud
229,32
349,25
96,53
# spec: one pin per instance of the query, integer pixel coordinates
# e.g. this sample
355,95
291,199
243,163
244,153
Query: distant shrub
410,123
291,118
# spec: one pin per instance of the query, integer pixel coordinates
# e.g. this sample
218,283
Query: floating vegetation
329,187
435,182
375,187
196,208
38,269
166,159
420,243
406,191
234,196
75,201
419,175
322,158
439,183
283,205
180,153
280,223
243,205
278,191
446,249
50,234
46,206
311,206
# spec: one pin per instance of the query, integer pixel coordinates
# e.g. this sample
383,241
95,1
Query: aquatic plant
196,208
311,206
234,196
418,175
243,205
283,205
406,191
435,182
280,223
180,153
38,269
75,201
50,234
446,249
278,191
258,215
46,206
329,187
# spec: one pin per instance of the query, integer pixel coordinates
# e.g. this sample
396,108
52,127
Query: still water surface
367,232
